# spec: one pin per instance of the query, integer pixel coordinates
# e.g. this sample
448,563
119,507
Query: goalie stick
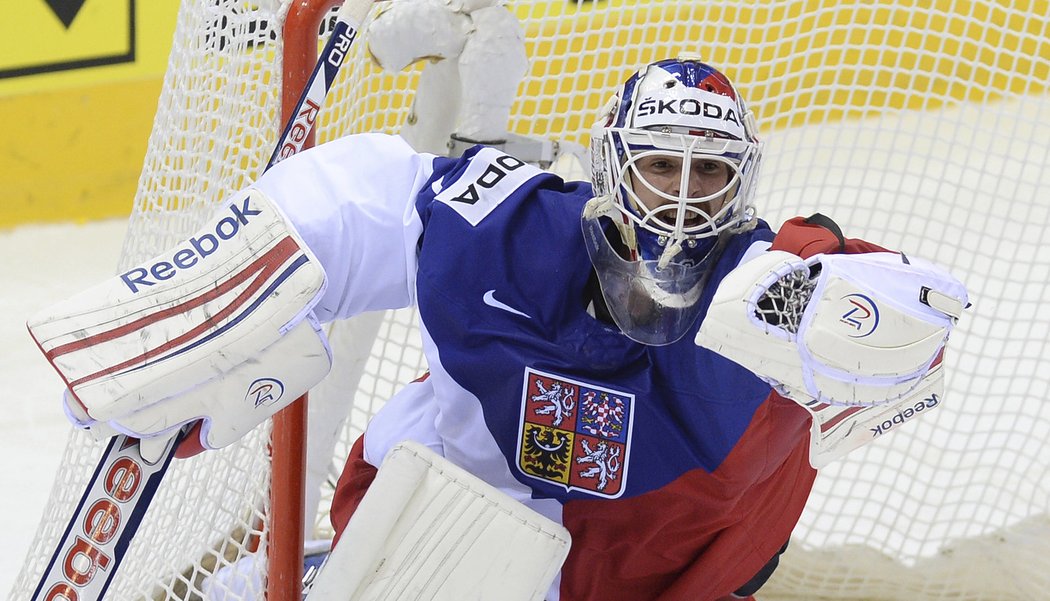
123,485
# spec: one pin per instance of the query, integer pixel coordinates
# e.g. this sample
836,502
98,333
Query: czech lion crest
574,434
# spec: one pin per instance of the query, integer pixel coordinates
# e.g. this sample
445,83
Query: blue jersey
676,471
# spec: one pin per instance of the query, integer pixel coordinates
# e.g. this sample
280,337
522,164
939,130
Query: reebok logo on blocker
199,248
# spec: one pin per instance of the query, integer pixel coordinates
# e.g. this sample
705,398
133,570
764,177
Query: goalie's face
670,194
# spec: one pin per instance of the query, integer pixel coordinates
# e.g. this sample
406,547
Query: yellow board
76,155
77,103
36,39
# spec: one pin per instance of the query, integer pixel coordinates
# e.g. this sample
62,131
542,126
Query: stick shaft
296,132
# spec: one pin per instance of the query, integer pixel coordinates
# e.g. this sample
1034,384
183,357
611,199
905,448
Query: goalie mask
675,159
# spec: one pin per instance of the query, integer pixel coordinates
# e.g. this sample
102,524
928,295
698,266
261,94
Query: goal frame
288,434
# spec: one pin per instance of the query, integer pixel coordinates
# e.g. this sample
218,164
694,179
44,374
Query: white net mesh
923,126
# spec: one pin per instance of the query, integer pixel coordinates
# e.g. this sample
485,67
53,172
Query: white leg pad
429,530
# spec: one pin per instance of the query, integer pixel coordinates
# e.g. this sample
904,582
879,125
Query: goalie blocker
217,329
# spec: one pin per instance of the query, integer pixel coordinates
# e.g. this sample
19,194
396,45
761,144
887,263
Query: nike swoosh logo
490,300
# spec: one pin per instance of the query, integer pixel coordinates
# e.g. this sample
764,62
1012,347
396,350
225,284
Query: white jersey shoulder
353,200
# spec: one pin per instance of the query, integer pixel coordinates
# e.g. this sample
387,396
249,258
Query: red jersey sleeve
808,236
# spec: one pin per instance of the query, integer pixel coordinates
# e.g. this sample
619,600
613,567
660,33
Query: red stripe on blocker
261,270
838,418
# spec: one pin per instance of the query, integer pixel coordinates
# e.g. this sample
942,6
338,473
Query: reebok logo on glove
902,416
200,247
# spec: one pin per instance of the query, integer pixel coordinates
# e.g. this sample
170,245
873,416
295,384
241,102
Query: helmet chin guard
650,303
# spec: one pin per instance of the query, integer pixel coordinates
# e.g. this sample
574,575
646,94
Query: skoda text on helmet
675,159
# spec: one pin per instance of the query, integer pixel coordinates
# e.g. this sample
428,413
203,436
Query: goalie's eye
659,166
710,167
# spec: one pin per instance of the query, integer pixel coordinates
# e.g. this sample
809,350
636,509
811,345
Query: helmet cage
681,217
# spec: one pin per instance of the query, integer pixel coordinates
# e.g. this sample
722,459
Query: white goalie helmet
675,161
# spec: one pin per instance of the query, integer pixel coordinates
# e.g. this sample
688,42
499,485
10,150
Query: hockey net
923,126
